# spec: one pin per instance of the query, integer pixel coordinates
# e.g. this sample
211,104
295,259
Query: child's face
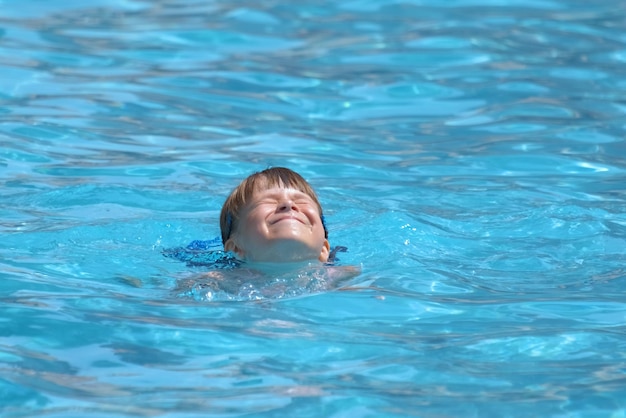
279,224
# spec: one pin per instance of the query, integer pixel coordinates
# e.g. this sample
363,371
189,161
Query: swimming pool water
469,153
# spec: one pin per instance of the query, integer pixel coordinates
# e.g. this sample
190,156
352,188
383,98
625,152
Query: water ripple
469,154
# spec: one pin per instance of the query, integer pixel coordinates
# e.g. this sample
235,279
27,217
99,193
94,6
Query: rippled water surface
470,155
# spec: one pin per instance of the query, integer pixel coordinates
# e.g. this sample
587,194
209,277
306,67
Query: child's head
274,215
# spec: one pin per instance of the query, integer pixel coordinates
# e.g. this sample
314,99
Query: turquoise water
469,153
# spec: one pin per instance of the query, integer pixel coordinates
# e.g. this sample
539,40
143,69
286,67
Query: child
274,216
273,223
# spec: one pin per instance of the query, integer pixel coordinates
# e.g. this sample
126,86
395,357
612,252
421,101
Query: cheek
321,234
317,221
253,226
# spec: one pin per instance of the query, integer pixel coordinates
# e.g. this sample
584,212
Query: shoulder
338,274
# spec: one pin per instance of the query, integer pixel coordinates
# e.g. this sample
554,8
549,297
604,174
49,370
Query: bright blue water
469,153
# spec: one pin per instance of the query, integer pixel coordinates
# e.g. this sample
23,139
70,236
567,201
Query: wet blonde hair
262,180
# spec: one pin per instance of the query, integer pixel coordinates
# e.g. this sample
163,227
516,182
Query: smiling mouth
287,218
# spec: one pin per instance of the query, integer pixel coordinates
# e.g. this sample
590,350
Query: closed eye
299,198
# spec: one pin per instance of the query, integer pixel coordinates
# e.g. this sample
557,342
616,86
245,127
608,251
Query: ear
231,245
325,252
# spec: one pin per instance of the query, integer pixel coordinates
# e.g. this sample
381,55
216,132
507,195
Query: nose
287,204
